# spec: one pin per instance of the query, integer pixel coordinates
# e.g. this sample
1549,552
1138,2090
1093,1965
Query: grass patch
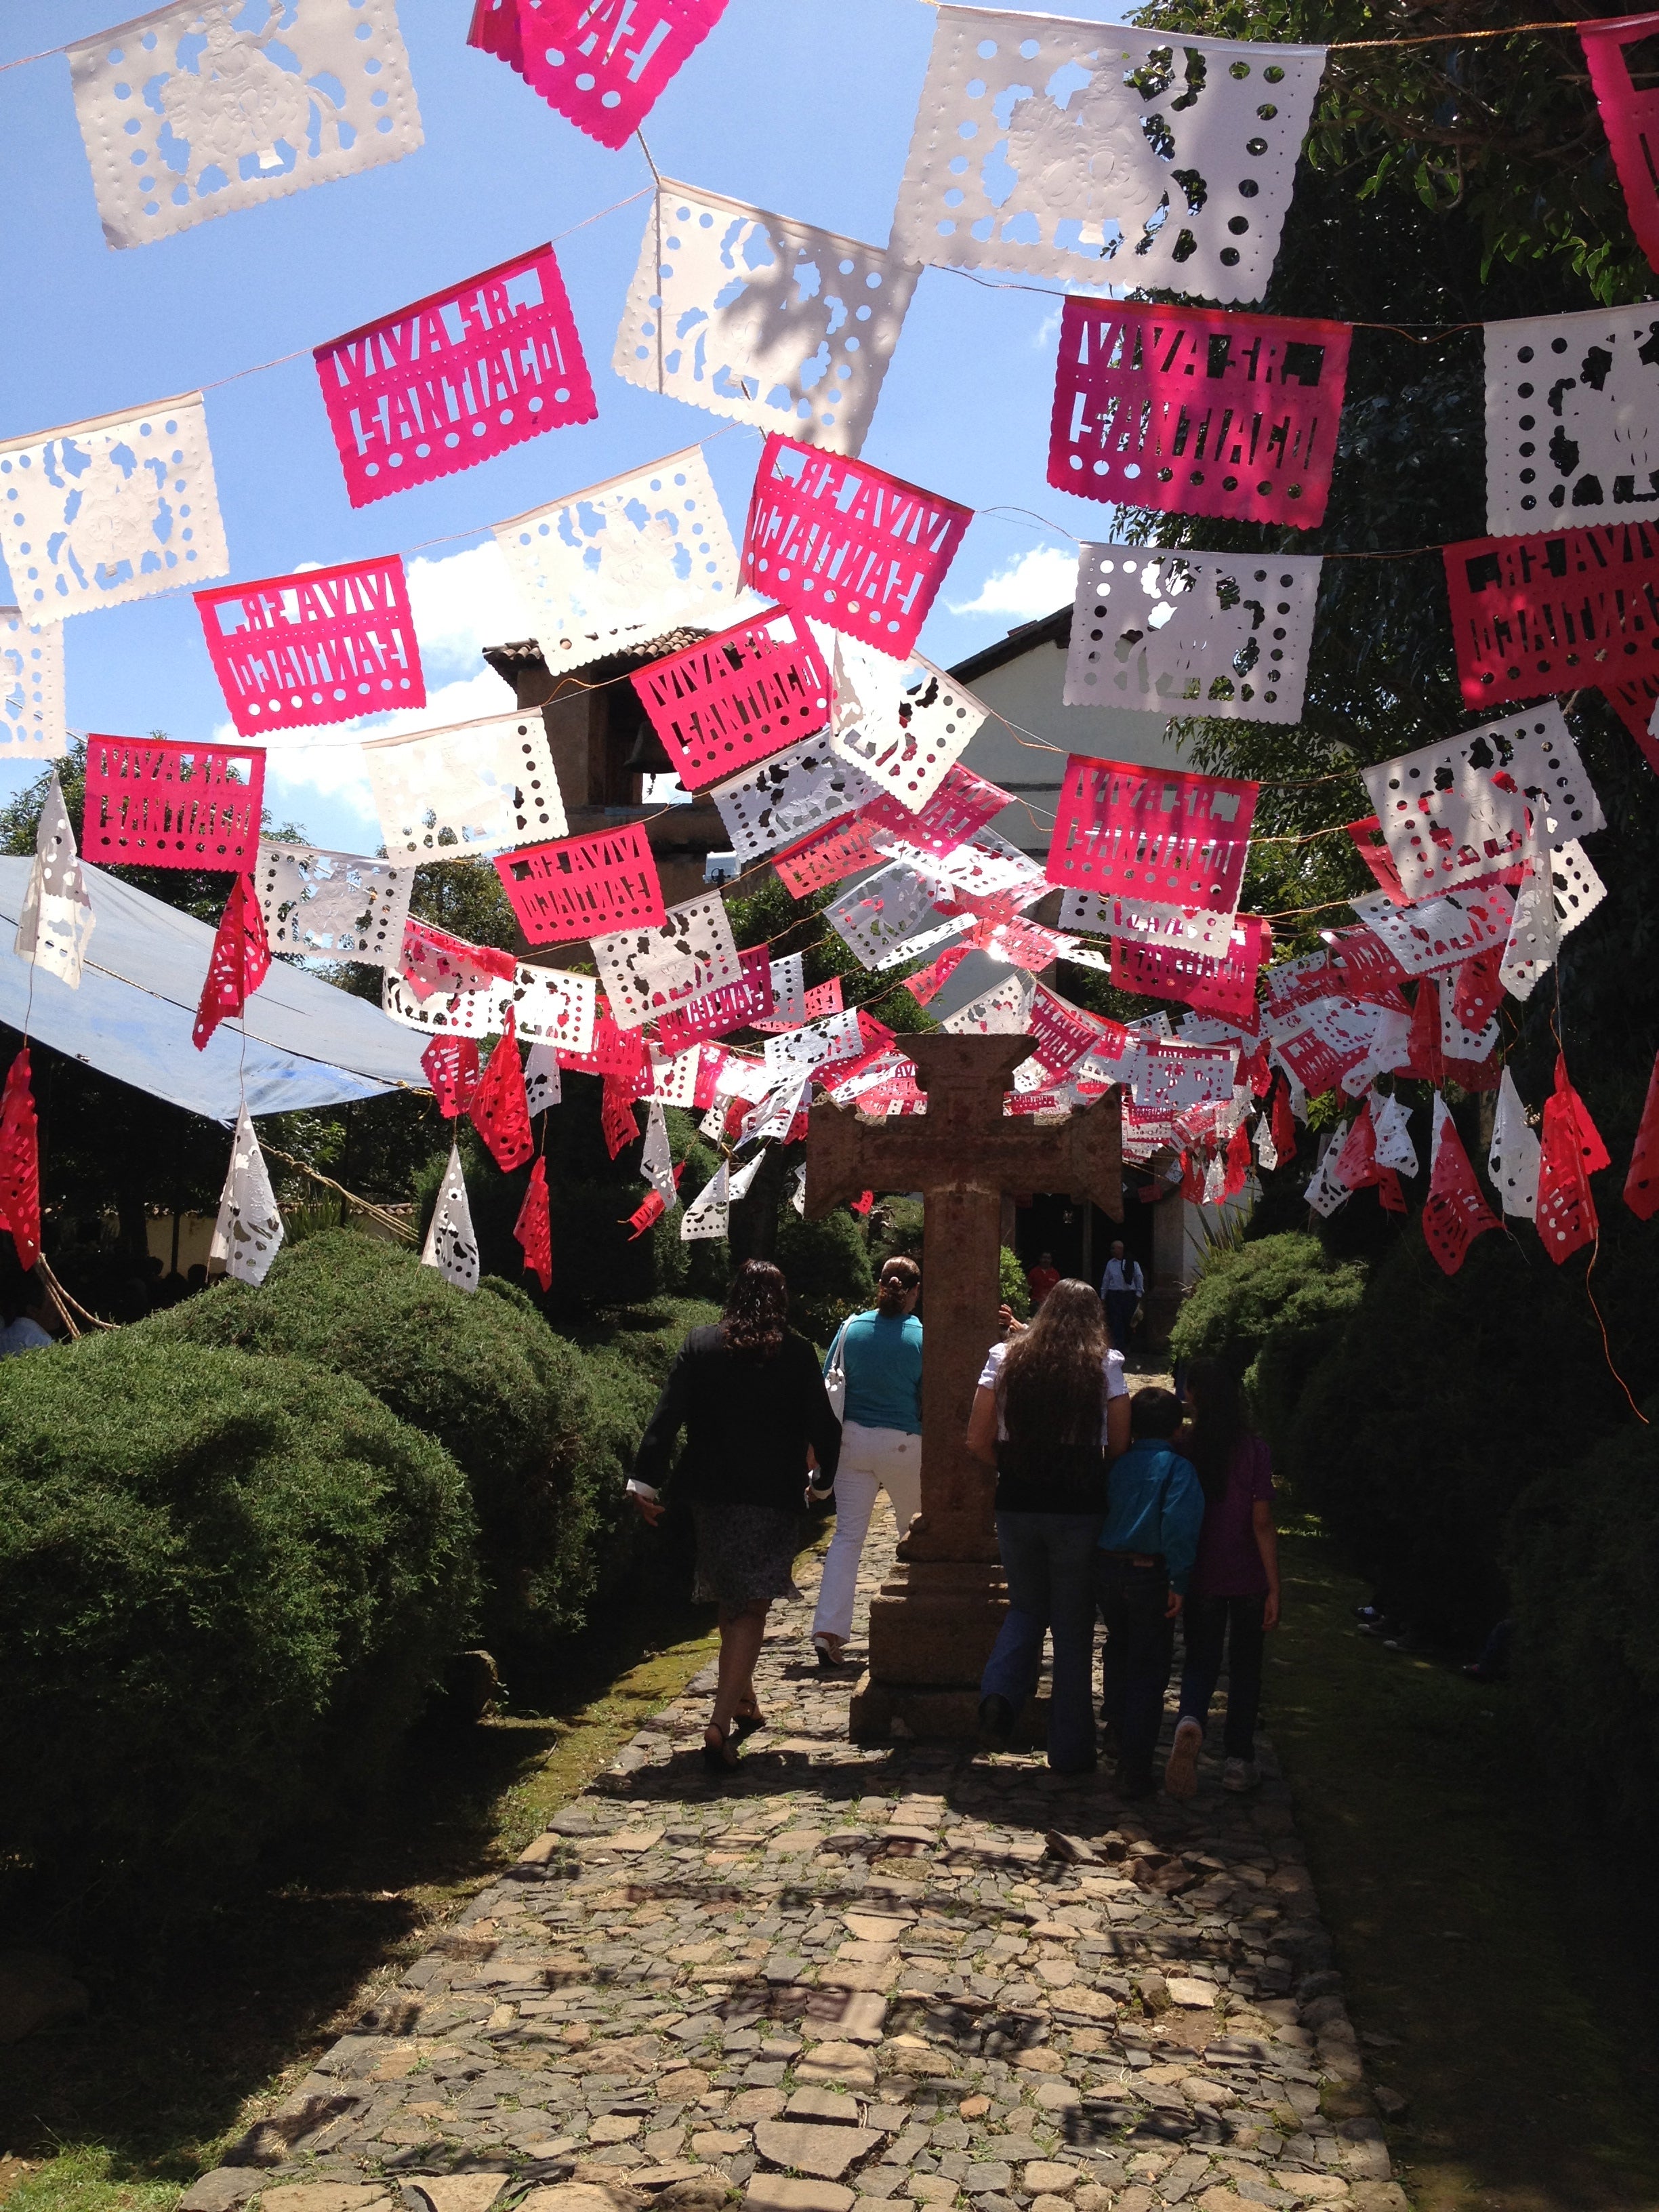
213,2011
1511,1957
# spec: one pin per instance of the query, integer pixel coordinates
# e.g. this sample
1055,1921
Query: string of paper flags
831,747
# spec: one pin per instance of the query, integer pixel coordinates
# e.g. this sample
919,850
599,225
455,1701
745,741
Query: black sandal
718,1757
743,1725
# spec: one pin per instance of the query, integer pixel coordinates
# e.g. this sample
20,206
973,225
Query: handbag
834,1376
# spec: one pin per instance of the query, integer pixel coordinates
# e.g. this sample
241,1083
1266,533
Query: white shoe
1240,1774
1181,1775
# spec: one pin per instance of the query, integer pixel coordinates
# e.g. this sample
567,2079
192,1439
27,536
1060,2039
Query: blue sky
803,107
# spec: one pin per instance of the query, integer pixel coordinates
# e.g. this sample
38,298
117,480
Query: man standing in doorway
1041,1278
1121,1288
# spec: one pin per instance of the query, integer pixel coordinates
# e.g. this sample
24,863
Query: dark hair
757,1311
1053,1382
1154,1412
1219,1422
889,1301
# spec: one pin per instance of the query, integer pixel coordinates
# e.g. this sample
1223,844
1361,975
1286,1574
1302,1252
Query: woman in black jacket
760,1441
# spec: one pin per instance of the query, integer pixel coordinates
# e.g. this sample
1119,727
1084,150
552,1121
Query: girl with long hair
1051,1410
880,1354
761,1442
1232,1600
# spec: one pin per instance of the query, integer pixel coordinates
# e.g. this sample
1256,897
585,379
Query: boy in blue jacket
1155,1510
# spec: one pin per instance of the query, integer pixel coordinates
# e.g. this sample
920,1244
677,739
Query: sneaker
1181,1775
996,1723
1240,1774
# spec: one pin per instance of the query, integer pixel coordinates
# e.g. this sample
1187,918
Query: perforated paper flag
432,961
1571,415
1223,985
656,1161
20,1162
1549,612
326,646
456,377
332,905
649,971
450,1065
248,1233
238,962
1641,1182
762,318
1572,1151
1559,889
1190,411
548,1004
1439,932
1003,1011
541,1084
1140,921
1218,635
735,1004
56,918
474,788
1455,1213
707,1214
789,993
602,63
826,859
97,513
609,569
201,109
1461,811
1514,1159
1172,838
1098,155
533,1230
892,910
451,1246
1629,118
31,689
584,887
733,699
499,1109
1393,1125
788,796
862,552
163,805
905,726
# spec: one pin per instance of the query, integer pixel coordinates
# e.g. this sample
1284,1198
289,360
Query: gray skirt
744,1552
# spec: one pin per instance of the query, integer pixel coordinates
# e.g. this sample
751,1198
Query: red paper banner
431,961
1225,987
1197,410
1535,615
20,1162
614,1051
862,552
1455,1212
603,64
155,804
1372,848
295,651
737,697
1151,834
1572,1152
1062,1033
928,982
583,886
1642,1180
734,1006
452,1069
1629,118
963,804
238,964
533,1229
499,1109
825,858
456,377
616,1121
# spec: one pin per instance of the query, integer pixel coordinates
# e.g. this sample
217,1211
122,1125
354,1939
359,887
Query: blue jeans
1049,1561
1139,1648
1206,1623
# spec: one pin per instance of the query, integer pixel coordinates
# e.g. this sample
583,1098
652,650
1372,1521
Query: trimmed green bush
483,1374
827,1264
1582,1554
1016,1290
224,1592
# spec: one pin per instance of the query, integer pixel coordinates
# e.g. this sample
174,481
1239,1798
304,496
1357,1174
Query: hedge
483,1374
224,1593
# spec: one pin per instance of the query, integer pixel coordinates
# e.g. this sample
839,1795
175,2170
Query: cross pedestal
933,1624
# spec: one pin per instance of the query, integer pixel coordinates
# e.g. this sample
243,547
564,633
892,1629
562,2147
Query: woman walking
1232,1599
880,1355
1051,1410
760,1442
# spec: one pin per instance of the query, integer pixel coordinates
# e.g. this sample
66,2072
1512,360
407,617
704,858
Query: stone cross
931,1627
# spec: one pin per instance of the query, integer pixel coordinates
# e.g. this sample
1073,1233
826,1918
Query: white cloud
1047,332
1034,583
462,602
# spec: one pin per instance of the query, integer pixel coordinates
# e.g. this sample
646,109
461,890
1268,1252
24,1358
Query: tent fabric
300,1043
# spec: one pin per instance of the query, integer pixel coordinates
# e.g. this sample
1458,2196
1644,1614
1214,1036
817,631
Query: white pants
871,1460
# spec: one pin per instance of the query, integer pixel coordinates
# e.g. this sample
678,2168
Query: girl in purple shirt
1233,1597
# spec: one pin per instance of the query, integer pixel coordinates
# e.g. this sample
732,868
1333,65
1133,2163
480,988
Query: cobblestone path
905,1974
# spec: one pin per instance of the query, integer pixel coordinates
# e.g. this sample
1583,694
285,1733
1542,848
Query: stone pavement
905,1973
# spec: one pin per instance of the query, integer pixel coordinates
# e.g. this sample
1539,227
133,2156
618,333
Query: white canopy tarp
307,1043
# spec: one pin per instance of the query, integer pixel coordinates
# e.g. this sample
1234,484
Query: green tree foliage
827,1266
483,1375
224,1594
